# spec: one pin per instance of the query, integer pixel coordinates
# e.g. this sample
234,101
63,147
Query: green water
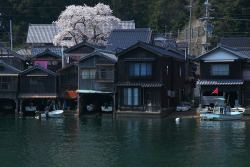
107,142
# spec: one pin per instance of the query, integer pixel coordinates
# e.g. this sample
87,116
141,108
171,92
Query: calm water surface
91,142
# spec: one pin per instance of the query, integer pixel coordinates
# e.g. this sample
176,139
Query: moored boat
53,114
222,114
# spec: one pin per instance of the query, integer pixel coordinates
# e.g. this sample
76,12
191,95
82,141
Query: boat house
149,79
38,89
8,88
96,79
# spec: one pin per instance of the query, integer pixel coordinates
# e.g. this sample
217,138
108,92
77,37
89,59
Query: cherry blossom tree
84,23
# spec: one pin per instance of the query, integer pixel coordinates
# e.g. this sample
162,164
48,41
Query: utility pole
190,26
207,18
11,35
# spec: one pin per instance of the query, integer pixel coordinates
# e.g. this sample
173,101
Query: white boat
53,114
222,114
91,107
107,108
30,108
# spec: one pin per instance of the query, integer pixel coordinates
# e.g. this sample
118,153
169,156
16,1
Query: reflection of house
8,88
37,88
149,79
12,58
96,79
222,68
50,57
67,86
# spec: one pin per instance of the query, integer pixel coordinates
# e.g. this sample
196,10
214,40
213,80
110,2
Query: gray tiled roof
38,66
155,49
36,50
41,33
141,84
220,82
23,52
84,43
103,53
236,43
235,52
44,33
124,38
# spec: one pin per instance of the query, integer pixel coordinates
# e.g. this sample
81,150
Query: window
105,72
6,82
131,96
220,69
140,69
88,73
180,71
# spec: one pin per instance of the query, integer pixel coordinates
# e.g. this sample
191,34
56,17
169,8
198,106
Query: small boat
91,107
222,114
30,108
53,114
107,108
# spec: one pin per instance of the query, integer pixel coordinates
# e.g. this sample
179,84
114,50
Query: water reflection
123,142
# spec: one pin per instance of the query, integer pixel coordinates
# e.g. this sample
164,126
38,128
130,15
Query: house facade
38,89
67,86
223,68
50,57
149,79
96,81
8,88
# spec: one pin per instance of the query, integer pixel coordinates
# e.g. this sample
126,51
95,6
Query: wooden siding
235,71
101,81
123,66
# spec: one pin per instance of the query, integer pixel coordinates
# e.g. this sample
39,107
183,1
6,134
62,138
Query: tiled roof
57,50
23,52
165,43
41,33
144,85
84,43
124,38
44,33
235,52
152,48
127,24
38,66
237,43
109,55
220,82
2,47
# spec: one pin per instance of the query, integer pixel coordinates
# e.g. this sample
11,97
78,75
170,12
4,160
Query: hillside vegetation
231,17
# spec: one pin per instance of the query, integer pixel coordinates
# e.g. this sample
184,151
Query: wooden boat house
149,79
38,89
96,80
50,57
67,86
8,88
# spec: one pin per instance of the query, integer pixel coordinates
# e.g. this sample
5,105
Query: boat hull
221,117
53,114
